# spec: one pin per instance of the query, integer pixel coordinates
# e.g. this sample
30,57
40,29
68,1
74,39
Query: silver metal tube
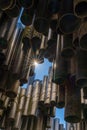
56,124
60,96
22,99
18,60
48,94
6,101
12,114
48,125
52,124
27,100
61,126
17,123
12,46
2,122
53,94
24,123
50,74
26,67
43,90
82,98
35,98
39,125
52,111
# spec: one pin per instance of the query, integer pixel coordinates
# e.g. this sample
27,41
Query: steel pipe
14,106
80,8
52,111
60,71
53,94
12,46
43,90
76,39
68,22
47,102
85,93
35,98
25,71
5,4
41,22
14,11
72,94
27,100
27,16
67,50
61,126
81,77
83,36
56,124
3,79
60,96
22,99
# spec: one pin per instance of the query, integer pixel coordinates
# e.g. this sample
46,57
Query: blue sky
41,70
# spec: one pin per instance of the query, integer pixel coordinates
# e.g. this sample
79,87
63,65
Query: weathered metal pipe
27,100
52,111
56,124
27,16
53,94
43,90
67,50
14,11
60,71
18,61
22,99
50,74
82,97
85,93
81,69
35,98
48,94
5,4
6,102
54,22
12,114
40,118
54,6
17,123
14,89
52,36
5,35
12,45
26,67
80,8
3,79
41,22
76,38
72,94
61,126
43,45
60,96
83,36
2,122
68,22
48,123
24,123
73,66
